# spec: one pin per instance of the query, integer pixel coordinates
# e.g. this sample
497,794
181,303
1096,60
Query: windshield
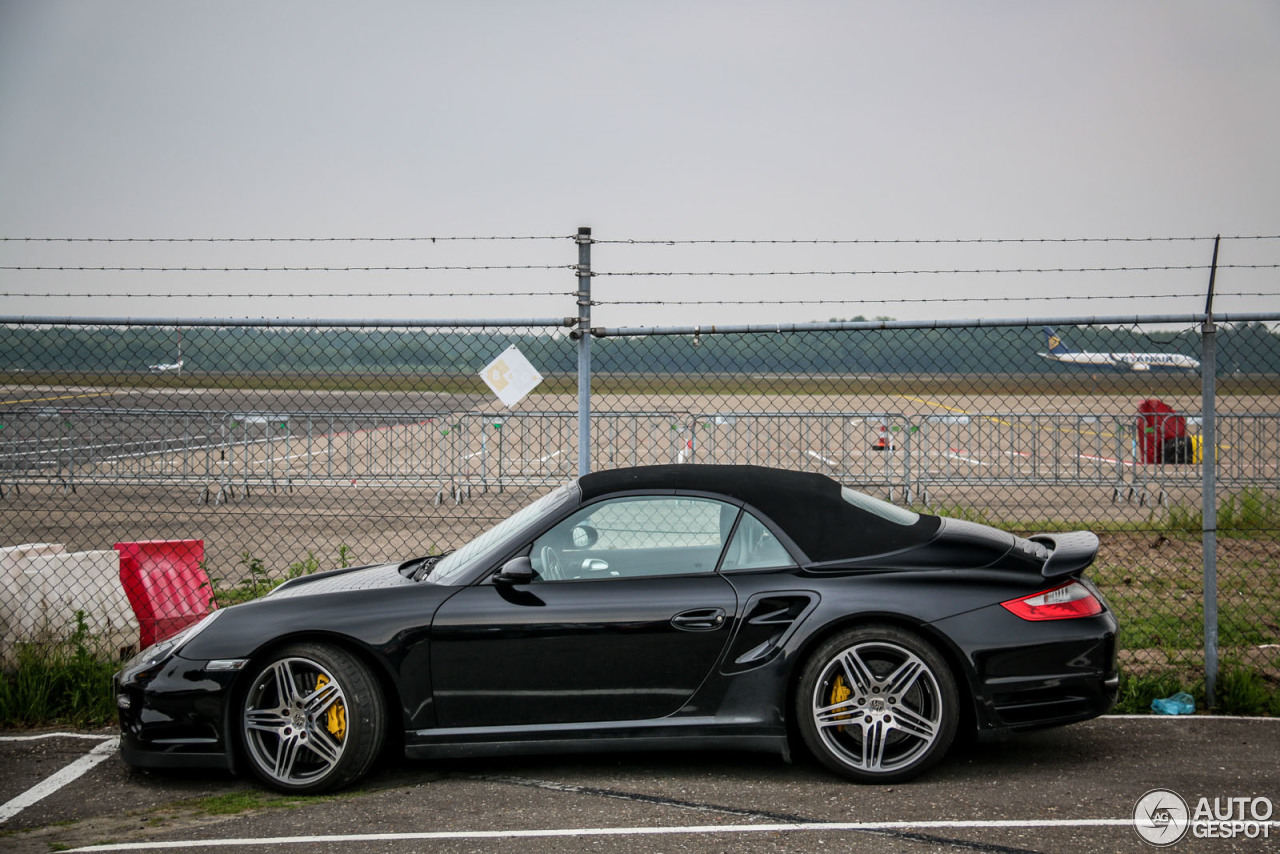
883,509
453,564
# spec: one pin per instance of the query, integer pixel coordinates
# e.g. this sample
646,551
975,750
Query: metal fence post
584,350
1209,497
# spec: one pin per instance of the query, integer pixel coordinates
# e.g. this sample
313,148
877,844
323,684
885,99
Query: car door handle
699,620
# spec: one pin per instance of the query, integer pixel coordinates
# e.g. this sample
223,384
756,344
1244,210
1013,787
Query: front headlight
157,653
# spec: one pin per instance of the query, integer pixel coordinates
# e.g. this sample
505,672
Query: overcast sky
645,120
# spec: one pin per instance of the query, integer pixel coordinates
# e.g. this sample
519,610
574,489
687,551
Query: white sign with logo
1162,817
510,376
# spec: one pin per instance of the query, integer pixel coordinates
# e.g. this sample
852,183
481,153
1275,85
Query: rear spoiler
1069,553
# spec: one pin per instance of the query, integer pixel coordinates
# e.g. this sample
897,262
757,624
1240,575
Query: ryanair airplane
1060,352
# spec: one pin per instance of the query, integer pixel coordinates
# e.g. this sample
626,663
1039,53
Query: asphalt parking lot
1067,790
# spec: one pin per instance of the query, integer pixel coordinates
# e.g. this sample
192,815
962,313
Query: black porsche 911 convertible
681,606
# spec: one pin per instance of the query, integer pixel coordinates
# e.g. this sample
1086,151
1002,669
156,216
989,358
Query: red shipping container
166,585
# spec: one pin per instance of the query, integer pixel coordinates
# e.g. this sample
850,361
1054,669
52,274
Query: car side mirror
584,536
518,570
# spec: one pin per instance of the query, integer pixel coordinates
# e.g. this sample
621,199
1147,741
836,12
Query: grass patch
1239,514
1240,690
1244,691
1155,586
1139,689
63,681
246,800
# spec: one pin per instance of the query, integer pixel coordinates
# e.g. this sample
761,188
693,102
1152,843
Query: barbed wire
273,239
874,272
936,241
644,241
351,269
897,300
261,295
935,272
468,294
21,268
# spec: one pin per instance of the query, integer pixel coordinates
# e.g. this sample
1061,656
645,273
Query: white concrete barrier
54,587
13,565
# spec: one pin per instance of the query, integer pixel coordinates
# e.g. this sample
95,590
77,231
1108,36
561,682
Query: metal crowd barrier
226,454
867,449
68,445
1023,449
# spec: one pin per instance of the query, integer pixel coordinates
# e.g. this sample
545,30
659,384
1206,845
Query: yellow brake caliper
336,717
839,693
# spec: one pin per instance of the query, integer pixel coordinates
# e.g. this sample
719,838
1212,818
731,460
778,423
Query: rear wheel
313,719
877,704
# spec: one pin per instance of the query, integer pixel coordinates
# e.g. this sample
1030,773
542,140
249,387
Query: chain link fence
979,422
244,453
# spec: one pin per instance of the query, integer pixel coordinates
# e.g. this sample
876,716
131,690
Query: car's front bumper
174,715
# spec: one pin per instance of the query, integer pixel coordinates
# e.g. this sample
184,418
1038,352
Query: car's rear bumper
1069,674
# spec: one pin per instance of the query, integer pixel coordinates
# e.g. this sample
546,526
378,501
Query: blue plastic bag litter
1181,703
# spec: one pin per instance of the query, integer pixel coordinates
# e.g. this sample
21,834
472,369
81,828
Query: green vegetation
1242,513
256,580
955,510
1155,585
65,680
1240,691
267,355
1137,690
244,800
1244,691
185,812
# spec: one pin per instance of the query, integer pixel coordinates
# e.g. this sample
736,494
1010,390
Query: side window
635,537
754,547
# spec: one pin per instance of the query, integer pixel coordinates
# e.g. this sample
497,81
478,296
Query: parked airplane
1060,352
169,367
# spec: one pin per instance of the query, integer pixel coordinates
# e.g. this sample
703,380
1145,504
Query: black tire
877,704
311,719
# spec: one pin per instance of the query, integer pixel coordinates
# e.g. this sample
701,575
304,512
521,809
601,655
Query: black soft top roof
806,505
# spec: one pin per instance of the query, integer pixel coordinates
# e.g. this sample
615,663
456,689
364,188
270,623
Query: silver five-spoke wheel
877,704
312,719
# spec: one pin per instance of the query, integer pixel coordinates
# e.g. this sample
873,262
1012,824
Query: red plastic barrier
166,585
1158,423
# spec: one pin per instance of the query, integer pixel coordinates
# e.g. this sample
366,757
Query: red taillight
1067,602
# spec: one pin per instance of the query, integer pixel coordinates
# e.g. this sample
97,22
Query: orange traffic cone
884,442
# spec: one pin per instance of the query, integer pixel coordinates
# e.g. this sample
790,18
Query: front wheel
312,719
877,704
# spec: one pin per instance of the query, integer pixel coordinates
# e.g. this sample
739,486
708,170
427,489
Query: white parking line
43,735
692,830
59,779
1201,717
